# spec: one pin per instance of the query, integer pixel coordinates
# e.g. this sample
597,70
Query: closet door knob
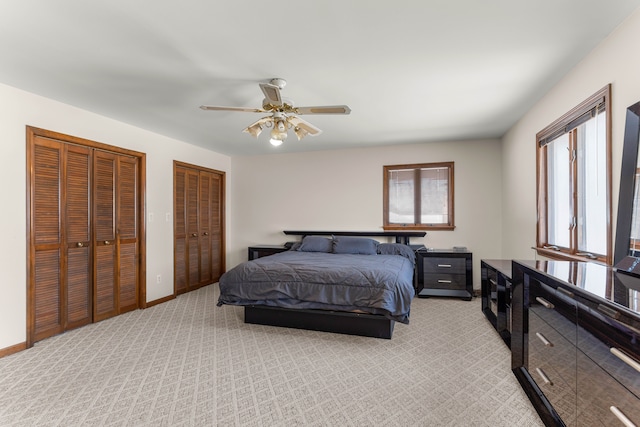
79,244
106,242
205,233
194,234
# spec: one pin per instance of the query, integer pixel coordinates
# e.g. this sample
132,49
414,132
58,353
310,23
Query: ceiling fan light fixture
276,141
283,115
254,129
300,133
278,133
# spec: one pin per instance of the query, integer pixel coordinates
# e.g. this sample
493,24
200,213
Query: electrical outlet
167,217
150,216
158,279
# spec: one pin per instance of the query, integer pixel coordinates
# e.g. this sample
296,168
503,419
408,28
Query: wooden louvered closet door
127,233
83,234
116,234
77,218
179,230
211,226
198,226
61,238
193,247
104,189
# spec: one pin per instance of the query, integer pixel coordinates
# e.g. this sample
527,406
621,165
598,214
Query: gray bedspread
377,284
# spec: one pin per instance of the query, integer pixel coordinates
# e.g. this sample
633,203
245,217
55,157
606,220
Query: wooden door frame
33,132
223,208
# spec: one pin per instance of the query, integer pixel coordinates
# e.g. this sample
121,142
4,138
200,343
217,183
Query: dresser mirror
628,211
628,225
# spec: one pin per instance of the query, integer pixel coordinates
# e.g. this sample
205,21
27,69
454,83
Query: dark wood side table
444,273
259,251
496,295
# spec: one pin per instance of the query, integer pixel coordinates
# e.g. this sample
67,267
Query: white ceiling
411,70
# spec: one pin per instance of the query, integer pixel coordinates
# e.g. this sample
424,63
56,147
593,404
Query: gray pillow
315,244
354,245
397,249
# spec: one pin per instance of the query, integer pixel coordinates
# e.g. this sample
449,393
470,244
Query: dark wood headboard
400,236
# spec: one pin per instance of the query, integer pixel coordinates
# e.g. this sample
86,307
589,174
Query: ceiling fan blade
303,128
271,93
246,110
326,109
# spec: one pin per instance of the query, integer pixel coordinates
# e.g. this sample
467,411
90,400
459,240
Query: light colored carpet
189,363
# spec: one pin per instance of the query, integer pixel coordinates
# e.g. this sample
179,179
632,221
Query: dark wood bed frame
363,324
366,325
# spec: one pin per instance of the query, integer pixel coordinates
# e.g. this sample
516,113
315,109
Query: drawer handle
608,311
444,265
545,341
544,302
544,377
566,292
444,281
622,417
625,358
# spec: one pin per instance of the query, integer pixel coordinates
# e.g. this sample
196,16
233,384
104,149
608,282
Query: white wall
19,109
342,190
614,61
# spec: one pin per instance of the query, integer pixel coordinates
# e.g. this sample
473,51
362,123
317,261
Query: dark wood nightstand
259,251
444,273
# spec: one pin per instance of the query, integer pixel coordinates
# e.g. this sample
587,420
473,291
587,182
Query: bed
343,284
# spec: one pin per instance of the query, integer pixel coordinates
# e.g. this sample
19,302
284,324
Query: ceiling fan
283,115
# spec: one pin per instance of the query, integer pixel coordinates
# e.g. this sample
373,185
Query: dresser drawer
617,363
598,393
543,370
445,265
549,349
445,281
555,308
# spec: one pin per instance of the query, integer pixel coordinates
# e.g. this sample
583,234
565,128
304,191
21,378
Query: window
574,183
418,196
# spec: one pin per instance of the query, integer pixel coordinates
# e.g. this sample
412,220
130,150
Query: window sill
563,256
418,227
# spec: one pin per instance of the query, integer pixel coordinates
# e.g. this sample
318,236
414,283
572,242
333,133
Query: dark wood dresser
575,342
496,295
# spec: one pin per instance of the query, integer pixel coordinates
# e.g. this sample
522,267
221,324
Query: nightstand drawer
445,265
445,281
